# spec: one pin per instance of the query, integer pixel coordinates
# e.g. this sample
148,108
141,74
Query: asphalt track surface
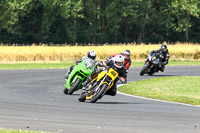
34,100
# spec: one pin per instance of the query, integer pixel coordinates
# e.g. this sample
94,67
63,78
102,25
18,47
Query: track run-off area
34,100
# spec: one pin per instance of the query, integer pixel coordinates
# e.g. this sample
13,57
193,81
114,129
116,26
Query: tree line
99,21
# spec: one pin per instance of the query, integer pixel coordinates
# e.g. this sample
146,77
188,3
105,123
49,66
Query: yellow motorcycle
97,88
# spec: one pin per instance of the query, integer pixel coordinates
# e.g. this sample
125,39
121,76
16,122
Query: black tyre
74,86
144,69
65,91
151,73
82,97
99,93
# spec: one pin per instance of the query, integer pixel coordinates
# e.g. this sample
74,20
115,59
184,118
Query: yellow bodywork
89,97
101,75
111,73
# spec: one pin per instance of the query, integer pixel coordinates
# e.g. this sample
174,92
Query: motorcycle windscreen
156,61
89,63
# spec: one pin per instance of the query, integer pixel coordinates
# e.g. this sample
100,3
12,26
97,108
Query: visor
164,49
126,55
91,57
119,63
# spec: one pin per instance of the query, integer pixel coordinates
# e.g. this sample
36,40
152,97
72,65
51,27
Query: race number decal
113,73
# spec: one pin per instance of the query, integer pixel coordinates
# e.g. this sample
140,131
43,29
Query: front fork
95,89
106,90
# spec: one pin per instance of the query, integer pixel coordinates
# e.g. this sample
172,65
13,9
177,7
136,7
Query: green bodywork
79,71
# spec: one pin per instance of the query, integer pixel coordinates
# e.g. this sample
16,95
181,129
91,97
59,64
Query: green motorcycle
78,75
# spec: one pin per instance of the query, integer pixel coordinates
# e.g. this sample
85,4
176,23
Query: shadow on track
117,103
76,94
160,75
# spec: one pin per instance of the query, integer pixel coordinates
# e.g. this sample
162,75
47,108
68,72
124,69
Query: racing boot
67,75
112,91
126,74
162,68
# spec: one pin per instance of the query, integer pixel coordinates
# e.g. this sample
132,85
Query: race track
34,100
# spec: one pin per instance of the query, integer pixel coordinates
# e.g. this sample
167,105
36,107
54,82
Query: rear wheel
144,69
99,93
74,86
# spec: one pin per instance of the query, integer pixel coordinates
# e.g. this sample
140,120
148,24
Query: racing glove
123,80
78,61
101,63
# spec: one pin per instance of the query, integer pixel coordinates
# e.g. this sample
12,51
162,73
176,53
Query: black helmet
91,54
163,48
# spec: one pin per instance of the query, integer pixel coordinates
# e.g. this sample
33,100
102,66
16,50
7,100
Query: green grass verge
183,63
178,89
171,63
34,65
60,65
18,131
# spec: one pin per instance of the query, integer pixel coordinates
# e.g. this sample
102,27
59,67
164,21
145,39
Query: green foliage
98,21
181,9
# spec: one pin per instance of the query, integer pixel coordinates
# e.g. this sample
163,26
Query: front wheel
65,91
151,73
144,69
74,86
82,97
102,89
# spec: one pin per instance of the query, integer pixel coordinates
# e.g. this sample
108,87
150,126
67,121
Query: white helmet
118,61
91,54
127,54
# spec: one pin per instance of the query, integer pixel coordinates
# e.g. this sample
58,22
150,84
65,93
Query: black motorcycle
152,65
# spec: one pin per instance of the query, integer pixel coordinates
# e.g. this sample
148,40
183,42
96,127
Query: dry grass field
178,52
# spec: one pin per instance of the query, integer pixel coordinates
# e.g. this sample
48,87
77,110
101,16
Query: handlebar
123,82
